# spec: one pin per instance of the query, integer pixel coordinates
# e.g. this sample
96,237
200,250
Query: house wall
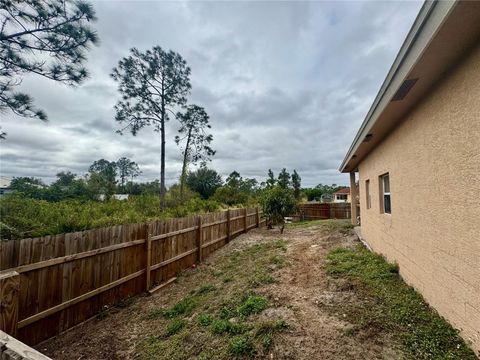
433,232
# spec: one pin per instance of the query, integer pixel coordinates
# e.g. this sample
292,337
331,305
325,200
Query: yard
310,293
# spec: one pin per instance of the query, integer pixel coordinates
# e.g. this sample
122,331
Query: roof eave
428,21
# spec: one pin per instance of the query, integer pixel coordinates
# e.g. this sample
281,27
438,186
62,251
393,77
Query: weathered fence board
63,280
318,211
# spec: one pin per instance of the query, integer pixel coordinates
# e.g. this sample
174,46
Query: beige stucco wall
433,159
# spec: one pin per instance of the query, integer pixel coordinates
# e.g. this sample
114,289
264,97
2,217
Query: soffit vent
368,137
404,89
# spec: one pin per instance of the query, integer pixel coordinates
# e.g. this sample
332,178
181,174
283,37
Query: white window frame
384,194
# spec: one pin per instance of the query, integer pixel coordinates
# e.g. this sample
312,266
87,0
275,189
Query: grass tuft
204,289
222,326
278,261
253,304
261,277
204,320
183,307
174,327
242,345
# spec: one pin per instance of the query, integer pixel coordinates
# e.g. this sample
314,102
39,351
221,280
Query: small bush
277,203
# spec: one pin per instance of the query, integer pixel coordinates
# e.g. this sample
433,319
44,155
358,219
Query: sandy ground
303,296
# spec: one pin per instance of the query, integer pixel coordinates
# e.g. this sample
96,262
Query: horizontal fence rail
52,283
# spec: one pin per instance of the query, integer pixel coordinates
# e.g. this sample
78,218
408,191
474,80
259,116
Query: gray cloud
286,84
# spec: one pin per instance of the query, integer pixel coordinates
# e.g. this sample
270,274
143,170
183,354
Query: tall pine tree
152,84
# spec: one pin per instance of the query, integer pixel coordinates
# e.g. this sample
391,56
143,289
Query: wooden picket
52,283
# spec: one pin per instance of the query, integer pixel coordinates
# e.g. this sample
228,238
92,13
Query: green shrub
26,217
277,203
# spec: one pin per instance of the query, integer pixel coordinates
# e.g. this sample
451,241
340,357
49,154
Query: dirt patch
300,294
316,332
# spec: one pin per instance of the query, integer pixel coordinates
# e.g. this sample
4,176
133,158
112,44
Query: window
386,205
367,194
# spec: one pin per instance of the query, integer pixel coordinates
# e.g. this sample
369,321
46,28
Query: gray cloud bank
286,84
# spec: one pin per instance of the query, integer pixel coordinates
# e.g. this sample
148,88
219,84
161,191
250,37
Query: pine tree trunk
162,158
184,167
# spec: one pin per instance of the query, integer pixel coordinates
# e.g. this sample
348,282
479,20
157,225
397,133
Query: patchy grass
342,225
389,305
222,318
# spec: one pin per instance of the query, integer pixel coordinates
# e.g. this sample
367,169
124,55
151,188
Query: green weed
241,345
253,304
204,320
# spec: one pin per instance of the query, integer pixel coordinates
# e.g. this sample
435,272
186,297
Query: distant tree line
103,178
106,178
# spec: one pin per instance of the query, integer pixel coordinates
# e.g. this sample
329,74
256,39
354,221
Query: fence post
228,226
199,239
245,219
149,257
9,293
257,213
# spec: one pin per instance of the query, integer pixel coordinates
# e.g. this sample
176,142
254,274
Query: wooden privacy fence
317,211
52,283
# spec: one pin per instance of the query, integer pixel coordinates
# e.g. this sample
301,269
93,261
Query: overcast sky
286,84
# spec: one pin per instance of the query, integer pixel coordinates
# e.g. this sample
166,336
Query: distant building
326,198
5,183
114,196
342,196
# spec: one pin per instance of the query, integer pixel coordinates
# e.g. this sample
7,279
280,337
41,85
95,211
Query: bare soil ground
300,294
